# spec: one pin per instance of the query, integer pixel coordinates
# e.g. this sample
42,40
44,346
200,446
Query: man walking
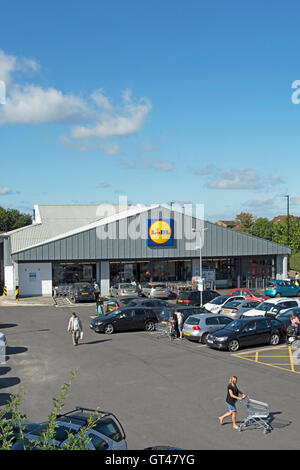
75,327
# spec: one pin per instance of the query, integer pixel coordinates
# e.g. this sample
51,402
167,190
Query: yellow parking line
291,359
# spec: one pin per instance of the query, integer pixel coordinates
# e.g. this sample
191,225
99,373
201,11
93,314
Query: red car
249,294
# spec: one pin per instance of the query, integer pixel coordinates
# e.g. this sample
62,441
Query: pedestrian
180,324
96,290
75,327
295,322
232,396
99,307
297,279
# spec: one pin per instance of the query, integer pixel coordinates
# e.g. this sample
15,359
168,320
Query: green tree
280,233
263,228
11,219
245,222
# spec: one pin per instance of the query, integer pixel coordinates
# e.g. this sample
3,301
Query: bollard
2,352
5,291
17,293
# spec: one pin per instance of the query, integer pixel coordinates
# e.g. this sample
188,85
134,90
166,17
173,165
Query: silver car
236,308
155,290
197,327
123,289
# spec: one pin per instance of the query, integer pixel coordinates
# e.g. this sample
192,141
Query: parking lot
163,392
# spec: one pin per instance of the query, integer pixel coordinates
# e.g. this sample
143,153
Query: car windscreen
219,300
235,325
109,428
234,303
84,288
254,292
289,313
265,306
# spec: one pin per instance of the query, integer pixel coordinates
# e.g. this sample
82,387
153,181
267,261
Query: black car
82,292
157,305
125,319
247,332
285,318
192,297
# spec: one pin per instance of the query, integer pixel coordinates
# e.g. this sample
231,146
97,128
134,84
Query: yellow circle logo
160,232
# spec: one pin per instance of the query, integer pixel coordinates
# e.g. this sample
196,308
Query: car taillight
196,328
76,294
233,311
186,301
123,292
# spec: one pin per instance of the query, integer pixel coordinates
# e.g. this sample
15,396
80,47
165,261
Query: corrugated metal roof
57,220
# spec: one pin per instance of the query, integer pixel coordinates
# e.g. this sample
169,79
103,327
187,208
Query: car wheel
233,345
109,329
274,340
150,326
298,293
203,338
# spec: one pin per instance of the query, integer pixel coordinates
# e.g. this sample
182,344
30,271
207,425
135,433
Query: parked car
197,327
82,292
236,308
123,289
216,305
272,307
285,317
125,319
282,289
157,305
192,297
155,290
246,332
163,317
110,305
249,294
107,434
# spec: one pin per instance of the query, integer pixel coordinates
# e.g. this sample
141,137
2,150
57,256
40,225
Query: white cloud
5,190
236,179
34,105
104,185
113,122
90,145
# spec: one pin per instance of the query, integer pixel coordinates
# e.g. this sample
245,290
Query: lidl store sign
160,232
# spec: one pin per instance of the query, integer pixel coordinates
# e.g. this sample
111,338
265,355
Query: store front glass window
68,273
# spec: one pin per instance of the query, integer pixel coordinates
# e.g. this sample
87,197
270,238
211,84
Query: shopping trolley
165,330
258,413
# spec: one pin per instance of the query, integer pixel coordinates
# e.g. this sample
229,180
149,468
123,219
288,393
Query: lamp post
288,218
200,256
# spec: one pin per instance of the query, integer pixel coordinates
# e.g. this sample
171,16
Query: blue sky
159,101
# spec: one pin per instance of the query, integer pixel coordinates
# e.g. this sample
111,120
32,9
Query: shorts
231,407
180,327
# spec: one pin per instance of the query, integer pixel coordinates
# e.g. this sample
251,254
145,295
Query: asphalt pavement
162,392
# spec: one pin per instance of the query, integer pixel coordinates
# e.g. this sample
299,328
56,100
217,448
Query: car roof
207,315
277,300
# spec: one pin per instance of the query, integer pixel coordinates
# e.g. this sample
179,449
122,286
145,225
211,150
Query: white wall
35,279
9,280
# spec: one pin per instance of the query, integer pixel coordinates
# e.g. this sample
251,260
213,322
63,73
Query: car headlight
222,338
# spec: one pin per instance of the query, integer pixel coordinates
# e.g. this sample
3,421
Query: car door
248,335
97,442
124,321
263,331
212,324
139,318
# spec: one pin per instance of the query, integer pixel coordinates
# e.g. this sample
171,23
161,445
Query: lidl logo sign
160,232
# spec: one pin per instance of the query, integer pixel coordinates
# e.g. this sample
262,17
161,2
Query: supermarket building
110,243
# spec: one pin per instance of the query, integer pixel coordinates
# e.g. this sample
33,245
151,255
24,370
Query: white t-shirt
75,324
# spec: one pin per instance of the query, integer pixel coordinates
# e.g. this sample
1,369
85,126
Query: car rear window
187,295
160,286
192,320
233,304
